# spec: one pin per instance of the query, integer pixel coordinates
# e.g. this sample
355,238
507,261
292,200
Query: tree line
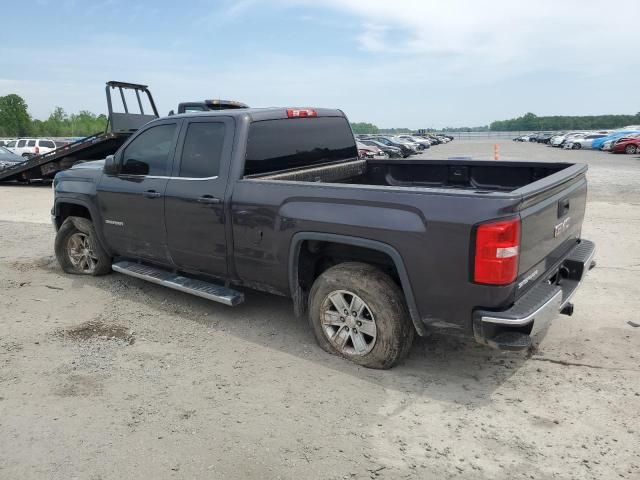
531,121
15,121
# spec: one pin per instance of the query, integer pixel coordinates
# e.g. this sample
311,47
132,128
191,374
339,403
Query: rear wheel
576,146
77,248
630,149
358,312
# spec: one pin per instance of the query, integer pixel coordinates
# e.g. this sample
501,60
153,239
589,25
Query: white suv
28,147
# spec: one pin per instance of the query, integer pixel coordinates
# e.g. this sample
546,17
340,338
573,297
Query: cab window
149,152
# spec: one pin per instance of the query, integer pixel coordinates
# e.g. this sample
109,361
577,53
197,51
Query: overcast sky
399,63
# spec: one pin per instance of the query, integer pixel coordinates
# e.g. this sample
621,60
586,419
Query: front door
132,201
195,196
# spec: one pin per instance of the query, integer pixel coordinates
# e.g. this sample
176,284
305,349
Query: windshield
4,150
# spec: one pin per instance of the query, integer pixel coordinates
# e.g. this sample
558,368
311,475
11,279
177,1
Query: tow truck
120,126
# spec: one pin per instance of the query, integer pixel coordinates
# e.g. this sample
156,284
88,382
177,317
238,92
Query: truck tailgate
551,216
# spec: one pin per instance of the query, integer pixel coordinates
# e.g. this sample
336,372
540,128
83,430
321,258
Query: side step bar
200,288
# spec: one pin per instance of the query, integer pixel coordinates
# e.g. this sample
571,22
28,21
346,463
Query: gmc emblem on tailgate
562,227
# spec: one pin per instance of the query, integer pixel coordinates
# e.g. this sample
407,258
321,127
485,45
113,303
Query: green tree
362,127
57,125
14,118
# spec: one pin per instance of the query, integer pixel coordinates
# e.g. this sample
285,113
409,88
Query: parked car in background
413,145
8,158
557,139
28,147
561,139
405,148
582,141
393,152
628,144
422,143
372,151
599,143
6,141
544,137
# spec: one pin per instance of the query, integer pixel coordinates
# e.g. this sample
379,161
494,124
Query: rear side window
202,150
47,144
31,143
290,143
21,143
148,153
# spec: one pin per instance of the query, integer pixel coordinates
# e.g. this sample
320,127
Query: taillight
497,249
301,112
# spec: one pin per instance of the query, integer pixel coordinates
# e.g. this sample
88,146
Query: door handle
151,194
210,199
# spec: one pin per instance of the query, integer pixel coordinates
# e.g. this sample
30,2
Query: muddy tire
78,250
358,312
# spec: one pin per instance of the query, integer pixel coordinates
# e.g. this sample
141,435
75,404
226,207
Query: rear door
132,202
195,196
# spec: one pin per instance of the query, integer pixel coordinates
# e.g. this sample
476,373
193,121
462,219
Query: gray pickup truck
371,251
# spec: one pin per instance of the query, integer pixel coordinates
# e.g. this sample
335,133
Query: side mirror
110,166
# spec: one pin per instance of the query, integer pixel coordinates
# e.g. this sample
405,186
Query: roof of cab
257,114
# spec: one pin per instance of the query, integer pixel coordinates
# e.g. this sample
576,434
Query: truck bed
440,201
471,175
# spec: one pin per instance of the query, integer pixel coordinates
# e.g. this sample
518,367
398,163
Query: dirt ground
112,377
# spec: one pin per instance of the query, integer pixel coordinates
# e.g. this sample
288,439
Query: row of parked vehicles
397,146
623,140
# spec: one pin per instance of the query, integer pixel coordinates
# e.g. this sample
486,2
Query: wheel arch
299,296
65,207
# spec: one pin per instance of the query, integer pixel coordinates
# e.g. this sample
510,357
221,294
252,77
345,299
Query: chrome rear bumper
528,319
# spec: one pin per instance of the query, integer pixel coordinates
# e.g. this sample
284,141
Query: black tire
576,146
72,229
394,329
630,149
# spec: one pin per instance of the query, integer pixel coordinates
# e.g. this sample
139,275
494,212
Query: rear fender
294,255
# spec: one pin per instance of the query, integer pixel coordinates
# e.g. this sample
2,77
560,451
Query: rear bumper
526,322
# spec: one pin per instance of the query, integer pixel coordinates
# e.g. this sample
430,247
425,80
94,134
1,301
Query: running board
207,290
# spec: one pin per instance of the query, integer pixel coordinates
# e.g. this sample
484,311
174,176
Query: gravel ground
111,377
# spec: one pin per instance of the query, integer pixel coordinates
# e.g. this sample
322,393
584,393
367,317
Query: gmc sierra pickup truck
371,251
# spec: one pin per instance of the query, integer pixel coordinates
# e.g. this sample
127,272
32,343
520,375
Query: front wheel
78,250
358,312
630,149
577,146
